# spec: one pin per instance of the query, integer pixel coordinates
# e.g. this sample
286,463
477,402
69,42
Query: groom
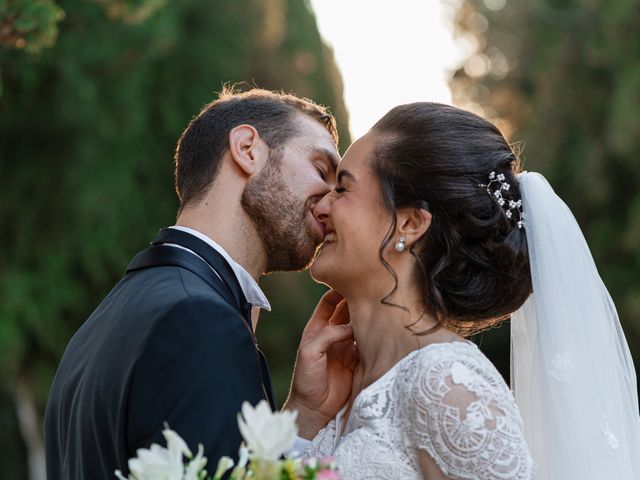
173,343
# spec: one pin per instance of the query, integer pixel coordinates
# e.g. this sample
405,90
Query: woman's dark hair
473,260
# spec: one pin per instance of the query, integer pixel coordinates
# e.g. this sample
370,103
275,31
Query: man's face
280,199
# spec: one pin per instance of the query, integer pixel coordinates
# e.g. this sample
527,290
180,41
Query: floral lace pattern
446,400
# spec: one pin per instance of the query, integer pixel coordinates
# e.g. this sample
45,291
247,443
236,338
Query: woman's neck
382,335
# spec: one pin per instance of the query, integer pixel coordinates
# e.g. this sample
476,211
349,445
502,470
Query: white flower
244,456
311,463
268,434
156,463
224,464
159,463
241,467
197,464
176,445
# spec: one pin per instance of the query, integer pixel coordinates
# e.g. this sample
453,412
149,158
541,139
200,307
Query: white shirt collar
252,291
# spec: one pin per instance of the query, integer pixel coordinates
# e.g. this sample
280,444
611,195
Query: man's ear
248,151
413,223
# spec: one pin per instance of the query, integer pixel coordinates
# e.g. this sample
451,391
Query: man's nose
322,209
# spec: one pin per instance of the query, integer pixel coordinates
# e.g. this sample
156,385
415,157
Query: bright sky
389,53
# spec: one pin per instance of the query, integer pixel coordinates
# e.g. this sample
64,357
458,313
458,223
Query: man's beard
280,220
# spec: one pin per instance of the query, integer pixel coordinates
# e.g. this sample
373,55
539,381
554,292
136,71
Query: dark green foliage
571,92
28,24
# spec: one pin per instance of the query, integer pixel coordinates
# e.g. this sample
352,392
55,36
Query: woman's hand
325,362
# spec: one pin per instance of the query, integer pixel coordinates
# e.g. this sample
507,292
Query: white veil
572,373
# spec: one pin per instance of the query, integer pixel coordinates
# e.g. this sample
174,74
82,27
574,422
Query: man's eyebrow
348,174
325,152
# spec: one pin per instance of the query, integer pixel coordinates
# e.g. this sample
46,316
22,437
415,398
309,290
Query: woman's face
356,223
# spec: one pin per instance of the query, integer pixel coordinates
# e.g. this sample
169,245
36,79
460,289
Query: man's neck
233,231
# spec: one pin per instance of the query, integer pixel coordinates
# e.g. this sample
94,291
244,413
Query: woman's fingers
324,310
341,314
326,337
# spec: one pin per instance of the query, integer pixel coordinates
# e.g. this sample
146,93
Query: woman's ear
412,224
248,151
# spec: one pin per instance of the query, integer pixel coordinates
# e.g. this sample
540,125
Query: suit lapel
209,254
159,255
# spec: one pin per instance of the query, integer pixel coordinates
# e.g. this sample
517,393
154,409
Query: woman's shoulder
446,358
459,410
441,372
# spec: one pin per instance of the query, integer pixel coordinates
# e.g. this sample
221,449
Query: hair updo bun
473,260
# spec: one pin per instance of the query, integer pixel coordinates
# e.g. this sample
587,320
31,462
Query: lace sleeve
323,443
463,416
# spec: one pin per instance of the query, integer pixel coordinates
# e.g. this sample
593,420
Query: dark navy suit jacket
171,344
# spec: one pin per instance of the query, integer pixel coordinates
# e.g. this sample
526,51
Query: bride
434,234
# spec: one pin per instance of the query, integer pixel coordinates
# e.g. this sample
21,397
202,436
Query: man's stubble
280,218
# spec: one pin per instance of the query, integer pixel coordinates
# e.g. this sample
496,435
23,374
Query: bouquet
267,437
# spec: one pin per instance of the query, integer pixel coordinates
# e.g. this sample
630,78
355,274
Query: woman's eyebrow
348,174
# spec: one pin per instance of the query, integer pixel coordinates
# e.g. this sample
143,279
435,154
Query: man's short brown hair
206,138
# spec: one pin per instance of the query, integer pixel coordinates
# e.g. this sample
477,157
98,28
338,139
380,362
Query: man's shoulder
169,281
178,295
159,289
142,301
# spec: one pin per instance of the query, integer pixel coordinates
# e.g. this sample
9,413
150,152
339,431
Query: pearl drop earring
400,244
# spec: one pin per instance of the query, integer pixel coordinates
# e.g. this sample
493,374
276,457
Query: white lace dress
446,399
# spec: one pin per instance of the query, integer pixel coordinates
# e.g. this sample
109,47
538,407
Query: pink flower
327,475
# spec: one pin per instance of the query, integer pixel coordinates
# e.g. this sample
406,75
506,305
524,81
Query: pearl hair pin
509,206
